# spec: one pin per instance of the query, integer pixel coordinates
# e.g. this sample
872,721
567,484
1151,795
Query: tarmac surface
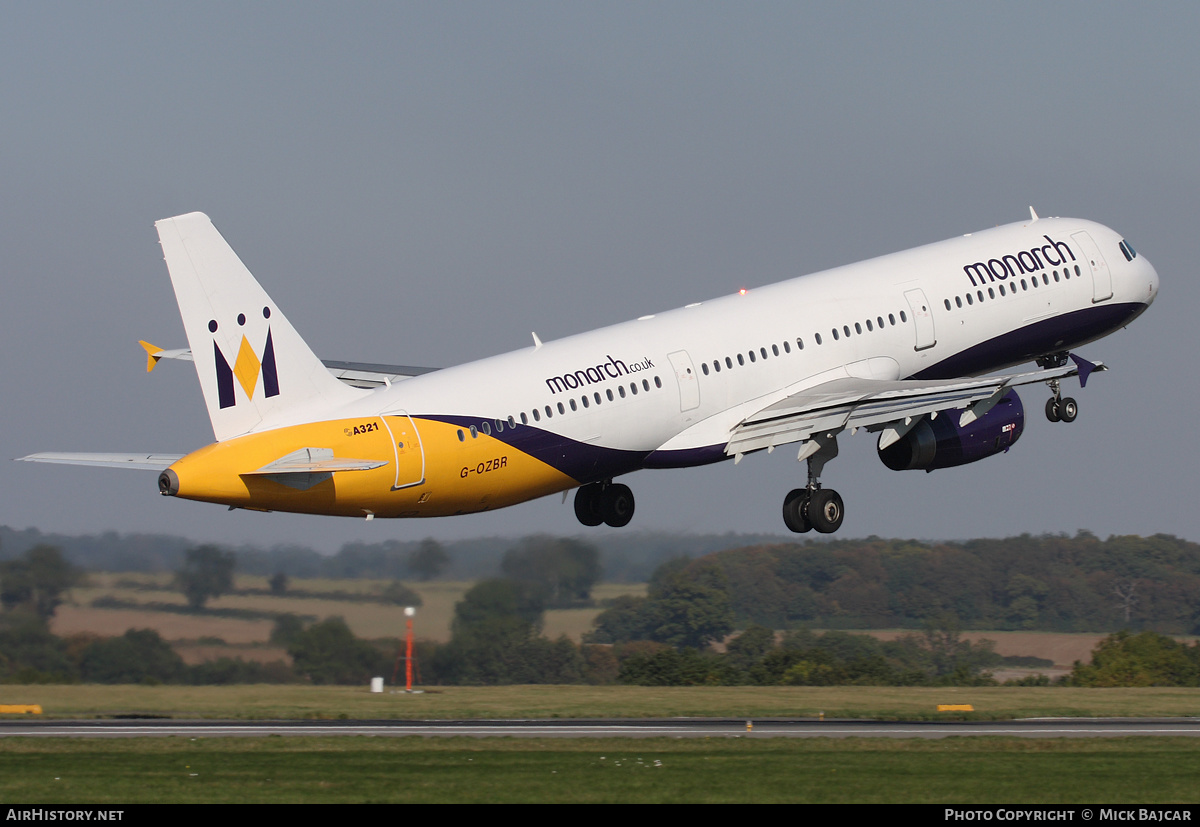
611,728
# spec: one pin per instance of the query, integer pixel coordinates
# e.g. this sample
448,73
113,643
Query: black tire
587,505
825,511
794,507
616,504
1052,410
1068,409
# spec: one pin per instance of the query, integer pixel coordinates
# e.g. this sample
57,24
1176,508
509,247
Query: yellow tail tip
152,352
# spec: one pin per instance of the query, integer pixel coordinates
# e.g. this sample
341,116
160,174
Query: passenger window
537,417
646,383
461,436
752,359
817,336
786,347
947,304
474,433
763,351
633,388
621,391
958,302
584,400
835,334
741,359
561,409
1002,290
608,393
891,320
846,330
717,365
774,349
499,426
512,423
903,317
1077,270
857,329
657,382
729,362
549,413
870,327
486,428
704,368
969,299
597,396
525,419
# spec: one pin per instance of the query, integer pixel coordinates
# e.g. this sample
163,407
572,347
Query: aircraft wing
366,375
139,462
878,405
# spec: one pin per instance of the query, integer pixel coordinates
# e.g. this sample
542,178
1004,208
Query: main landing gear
1060,408
604,502
814,507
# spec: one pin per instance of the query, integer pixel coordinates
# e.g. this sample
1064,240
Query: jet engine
941,443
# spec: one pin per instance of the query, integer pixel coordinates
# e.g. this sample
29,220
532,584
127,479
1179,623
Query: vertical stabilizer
252,364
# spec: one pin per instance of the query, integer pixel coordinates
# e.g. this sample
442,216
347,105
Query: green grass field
886,703
499,770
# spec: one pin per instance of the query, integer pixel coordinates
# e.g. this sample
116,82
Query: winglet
1085,368
1033,216
152,356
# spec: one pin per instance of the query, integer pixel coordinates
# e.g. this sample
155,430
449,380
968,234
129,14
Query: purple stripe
581,461
1060,333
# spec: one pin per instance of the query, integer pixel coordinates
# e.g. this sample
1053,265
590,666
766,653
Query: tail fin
253,365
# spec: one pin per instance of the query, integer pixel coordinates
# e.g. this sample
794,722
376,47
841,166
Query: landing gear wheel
1068,409
795,504
825,510
1053,412
587,505
616,505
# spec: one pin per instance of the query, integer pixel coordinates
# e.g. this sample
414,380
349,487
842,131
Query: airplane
906,346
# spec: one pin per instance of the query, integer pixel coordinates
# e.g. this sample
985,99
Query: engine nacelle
941,443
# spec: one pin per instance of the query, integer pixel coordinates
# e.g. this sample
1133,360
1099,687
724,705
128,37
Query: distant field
379,620
887,703
972,771
368,620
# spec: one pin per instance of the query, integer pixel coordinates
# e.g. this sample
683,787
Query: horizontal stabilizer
366,375
139,462
154,353
315,461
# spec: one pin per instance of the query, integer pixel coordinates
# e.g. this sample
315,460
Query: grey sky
425,183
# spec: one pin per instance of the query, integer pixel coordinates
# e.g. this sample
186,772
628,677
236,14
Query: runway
611,728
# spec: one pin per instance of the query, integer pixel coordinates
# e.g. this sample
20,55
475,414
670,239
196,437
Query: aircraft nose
1151,279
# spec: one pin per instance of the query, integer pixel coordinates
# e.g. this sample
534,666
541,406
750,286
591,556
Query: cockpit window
1127,249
